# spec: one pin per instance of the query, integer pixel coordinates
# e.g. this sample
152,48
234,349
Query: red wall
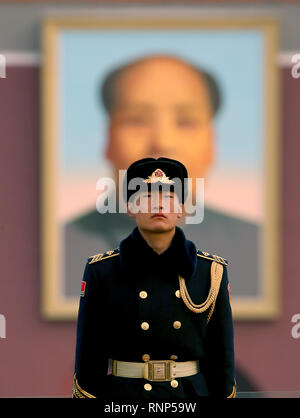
37,356
267,350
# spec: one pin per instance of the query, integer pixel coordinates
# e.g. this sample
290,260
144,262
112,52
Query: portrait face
162,108
155,211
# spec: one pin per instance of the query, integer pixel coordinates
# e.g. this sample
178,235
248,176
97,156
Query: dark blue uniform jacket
111,312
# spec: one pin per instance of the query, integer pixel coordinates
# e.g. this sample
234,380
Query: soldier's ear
180,213
130,210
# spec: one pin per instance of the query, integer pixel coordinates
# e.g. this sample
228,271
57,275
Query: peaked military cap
156,174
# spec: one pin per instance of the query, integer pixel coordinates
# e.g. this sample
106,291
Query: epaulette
212,257
103,256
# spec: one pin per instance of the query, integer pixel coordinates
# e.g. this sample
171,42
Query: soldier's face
156,211
162,109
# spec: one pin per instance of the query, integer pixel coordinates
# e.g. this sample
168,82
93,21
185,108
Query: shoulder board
103,256
212,257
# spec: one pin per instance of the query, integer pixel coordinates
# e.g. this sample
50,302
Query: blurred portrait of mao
161,106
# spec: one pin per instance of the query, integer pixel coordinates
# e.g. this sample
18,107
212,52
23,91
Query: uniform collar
137,255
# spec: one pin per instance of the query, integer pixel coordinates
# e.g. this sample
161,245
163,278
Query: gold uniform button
143,294
177,293
145,326
173,357
146,357
147,386
174,383
177,324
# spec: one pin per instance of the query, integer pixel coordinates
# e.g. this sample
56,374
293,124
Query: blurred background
37,353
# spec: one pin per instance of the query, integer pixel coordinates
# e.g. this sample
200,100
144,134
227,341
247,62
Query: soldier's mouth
158,215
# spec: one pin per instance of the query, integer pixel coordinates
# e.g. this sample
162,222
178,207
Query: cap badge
158,176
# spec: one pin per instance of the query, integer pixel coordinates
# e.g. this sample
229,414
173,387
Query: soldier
156,306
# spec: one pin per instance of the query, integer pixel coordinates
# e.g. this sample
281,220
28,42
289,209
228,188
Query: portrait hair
108,86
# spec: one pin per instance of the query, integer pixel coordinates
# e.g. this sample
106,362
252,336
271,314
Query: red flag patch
82,291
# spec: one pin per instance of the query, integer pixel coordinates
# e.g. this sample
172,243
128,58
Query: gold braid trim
103,256
78,392
212,257
233,393
216,272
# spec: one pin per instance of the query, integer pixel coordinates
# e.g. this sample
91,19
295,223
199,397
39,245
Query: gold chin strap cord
216,273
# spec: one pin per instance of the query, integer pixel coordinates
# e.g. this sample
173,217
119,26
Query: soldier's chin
159,227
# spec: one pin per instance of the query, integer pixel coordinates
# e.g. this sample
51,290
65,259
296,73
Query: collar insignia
158,176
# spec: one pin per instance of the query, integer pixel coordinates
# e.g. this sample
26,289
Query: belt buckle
159,371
